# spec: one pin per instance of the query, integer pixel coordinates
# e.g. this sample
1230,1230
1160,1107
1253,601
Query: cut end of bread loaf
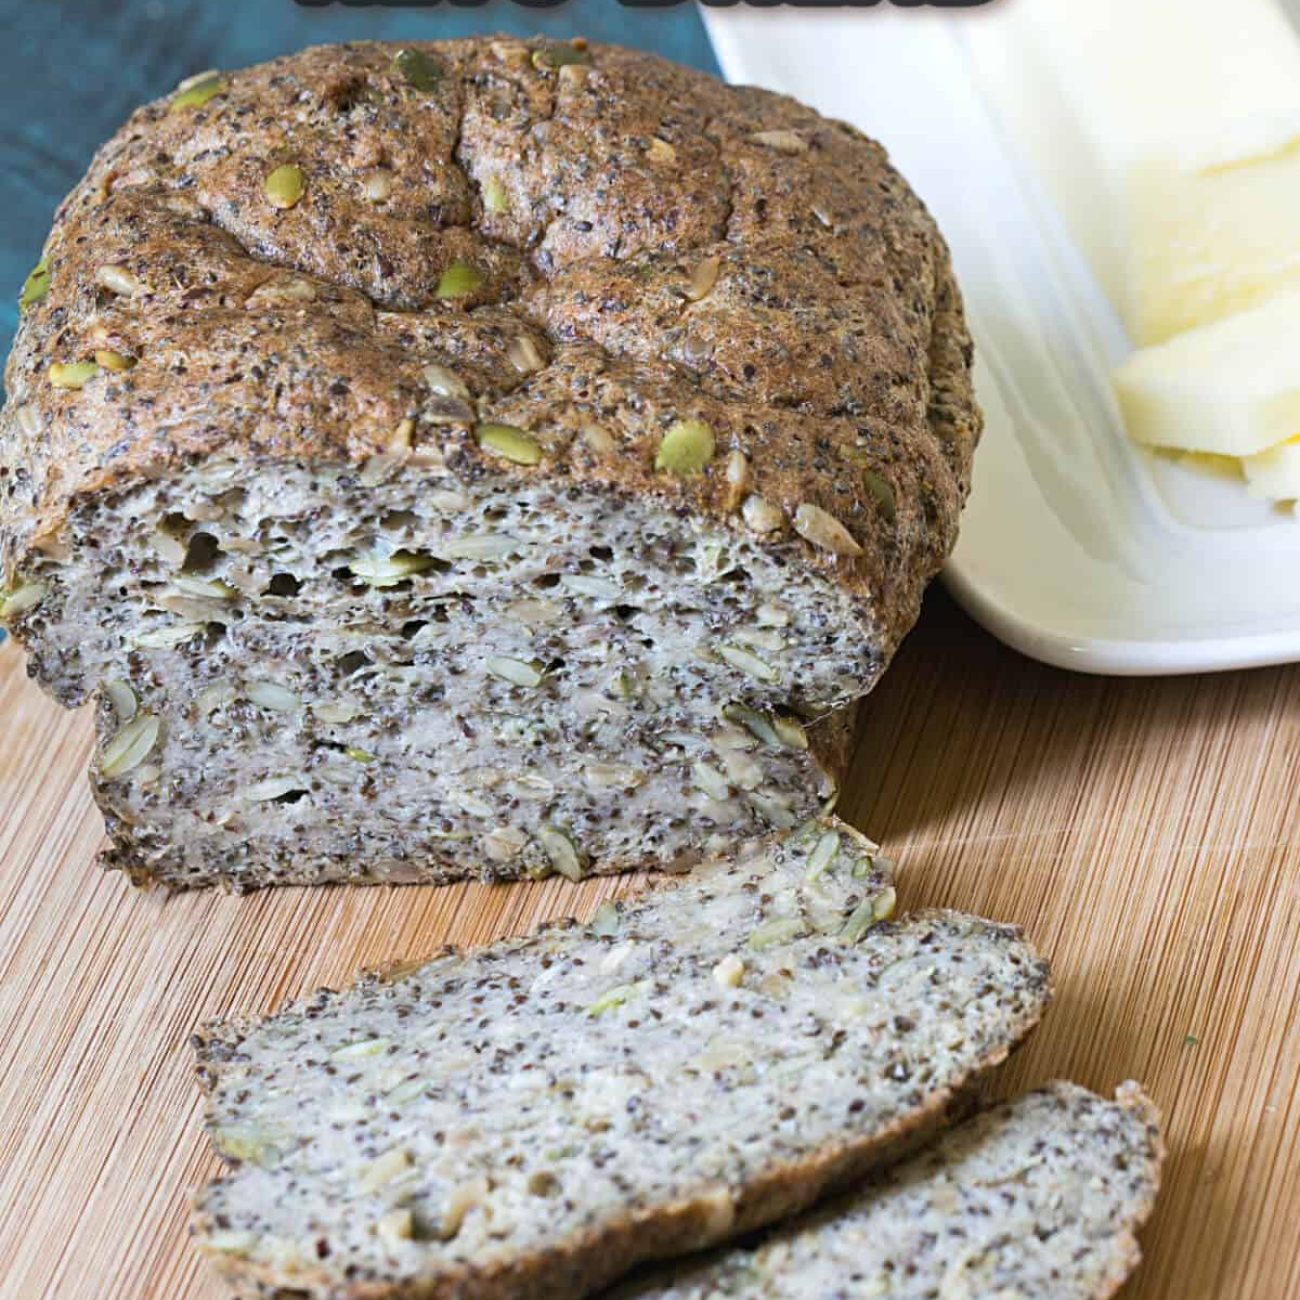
1040,1197
493,472
311,677
538,1116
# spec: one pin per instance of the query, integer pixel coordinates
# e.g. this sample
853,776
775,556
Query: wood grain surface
1145,833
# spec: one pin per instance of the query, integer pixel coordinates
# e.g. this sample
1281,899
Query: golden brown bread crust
831,343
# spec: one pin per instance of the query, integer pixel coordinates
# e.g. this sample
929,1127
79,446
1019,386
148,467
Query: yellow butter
1232,387
1275,474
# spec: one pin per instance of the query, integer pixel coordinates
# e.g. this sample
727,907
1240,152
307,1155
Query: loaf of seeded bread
1039,1199
535,1118
480,457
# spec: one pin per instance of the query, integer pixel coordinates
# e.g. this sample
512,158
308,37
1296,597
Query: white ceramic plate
1077,547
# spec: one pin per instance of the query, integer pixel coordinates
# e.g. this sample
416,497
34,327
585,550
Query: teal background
73,70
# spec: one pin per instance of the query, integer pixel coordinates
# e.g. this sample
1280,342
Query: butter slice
1232,387
1167,132
1275,474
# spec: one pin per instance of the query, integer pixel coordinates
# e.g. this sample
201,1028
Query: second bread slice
536,1117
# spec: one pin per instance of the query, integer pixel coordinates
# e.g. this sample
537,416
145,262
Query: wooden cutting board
1146,833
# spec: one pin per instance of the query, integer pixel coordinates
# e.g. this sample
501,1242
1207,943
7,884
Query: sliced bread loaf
479,457
534,1118
1035,1200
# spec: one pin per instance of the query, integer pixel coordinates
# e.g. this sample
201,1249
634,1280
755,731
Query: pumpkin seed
496,198
883,492
35,287
869,912
511,443
285,185
686,448
515,671
459,280
74,375
606,921
195,91
22,598
771,934
823,530
618,997
117,362
417,69
130,746
711,781
823,856
559,54
117,279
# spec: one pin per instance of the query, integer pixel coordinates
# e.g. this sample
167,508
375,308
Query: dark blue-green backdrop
72,70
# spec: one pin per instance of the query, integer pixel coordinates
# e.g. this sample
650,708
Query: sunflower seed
378,186
823,530
823,856
481,546
396,1226
749,663
130,746
559,848
122,698
612,776
661,152
703,279
24,597
618,997
337,713
173,634
117,279
388,570
761,515
729,972
273,696
787,142
383,1169
525,355
515,671
584,584
598,441
275,787
209,588
711,781
869,912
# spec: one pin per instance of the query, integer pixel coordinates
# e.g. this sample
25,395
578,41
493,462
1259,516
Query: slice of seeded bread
1039,1198
536,1117
478,457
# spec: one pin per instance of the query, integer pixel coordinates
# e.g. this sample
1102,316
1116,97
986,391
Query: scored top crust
522,267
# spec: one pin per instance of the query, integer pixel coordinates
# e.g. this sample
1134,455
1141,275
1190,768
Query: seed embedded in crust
195,91
25,596
130,746
558,54
510,442
118,362
883,492
496,198
787,142
525,355
703,279
823,530
378,186
459,280
35,287
686,449
761,515
285,186
117,279
417,69
661,152
73,375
